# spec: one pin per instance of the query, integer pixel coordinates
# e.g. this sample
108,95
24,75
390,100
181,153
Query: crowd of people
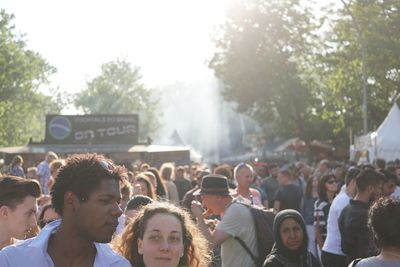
85,210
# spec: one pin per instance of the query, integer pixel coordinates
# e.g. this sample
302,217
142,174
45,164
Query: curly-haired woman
163,235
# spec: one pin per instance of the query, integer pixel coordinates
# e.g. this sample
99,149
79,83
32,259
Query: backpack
263,222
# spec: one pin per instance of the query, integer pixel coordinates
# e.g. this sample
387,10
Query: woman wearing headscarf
291,242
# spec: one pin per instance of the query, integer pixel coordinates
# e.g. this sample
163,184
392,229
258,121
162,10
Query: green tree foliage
118,90
279,65
261,59
340,64
22,72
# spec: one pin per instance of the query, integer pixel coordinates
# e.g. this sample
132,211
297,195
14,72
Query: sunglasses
108,166
331,182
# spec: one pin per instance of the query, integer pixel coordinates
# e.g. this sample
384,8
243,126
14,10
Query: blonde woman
167,171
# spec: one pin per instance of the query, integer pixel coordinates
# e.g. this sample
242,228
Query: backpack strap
241,242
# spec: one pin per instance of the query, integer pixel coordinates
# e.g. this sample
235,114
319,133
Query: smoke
196,114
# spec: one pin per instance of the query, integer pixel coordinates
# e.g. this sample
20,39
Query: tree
22,73
118,90
277,69
261,59
340,64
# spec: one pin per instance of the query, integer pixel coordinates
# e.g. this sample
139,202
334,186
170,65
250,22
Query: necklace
391,254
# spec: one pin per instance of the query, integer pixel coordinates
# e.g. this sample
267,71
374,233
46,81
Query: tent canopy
387,139
298,145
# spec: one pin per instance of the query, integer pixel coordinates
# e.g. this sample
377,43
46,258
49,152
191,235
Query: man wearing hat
236,221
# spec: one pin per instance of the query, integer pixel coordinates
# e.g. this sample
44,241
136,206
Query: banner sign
92,129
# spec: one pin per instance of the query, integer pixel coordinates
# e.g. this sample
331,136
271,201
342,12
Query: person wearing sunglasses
86,194
327,188
332,254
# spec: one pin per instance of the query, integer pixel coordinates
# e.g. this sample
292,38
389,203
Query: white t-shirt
33,252
333,239
237,221
376,261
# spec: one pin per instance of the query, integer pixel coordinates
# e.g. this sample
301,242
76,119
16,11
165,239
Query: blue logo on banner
60,127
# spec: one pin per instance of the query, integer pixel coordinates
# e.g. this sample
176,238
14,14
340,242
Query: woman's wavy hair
141,177
167,171
161,189
196,251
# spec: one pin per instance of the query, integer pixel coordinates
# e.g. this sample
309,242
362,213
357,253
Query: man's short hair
384,221
351,175
388,175
81,175
138,201
240,166
224,170
13,190
380,163
201,173
368,177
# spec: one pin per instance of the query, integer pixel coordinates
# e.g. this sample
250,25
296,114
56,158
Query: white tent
387,138
384,142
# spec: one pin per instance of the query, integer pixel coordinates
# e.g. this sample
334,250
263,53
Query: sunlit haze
169,40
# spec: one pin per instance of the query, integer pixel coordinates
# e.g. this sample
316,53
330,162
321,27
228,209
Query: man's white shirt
332,243
33,252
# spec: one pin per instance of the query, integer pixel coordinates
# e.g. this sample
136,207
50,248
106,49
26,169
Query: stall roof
299,145
285,145
106,148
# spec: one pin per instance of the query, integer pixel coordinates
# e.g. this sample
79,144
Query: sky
169,40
